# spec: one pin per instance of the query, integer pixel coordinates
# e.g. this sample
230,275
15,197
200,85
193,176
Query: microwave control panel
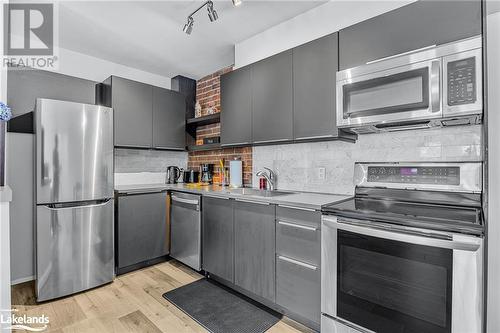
462,81
414,175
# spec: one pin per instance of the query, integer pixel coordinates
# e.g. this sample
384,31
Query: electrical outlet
321,173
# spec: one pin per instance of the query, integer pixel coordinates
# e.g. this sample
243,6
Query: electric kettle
173,174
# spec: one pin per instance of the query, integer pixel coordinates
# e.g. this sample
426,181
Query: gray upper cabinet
254,248
169,119
272,116
236,108
218,237
314,68
411,27
145,116
132,103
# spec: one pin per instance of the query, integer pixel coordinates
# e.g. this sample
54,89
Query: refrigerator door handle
72,205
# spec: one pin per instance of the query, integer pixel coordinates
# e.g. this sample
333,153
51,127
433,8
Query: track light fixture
212,15
188,27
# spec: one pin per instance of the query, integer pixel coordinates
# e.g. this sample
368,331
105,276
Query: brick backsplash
208,94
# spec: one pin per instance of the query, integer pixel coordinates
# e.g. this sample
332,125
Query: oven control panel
461,81
414,175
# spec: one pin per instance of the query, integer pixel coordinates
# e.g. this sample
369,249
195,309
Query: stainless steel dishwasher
185,224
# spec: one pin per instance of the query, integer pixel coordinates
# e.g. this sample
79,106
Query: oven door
403,94
390,279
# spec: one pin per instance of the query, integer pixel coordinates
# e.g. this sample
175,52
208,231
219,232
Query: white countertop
308,200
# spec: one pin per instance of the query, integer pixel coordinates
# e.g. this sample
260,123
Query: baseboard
22,280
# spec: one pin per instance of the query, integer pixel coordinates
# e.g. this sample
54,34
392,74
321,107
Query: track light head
236,3
188,27
212,14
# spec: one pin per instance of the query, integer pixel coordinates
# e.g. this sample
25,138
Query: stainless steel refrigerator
74,197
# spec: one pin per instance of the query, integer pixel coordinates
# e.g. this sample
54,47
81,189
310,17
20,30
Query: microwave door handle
435,86
458,242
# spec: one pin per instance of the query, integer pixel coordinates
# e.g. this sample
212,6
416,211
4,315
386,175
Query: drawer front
298,235
300,215
298,288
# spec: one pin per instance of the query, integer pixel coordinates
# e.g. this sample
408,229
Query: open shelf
205,120
211,146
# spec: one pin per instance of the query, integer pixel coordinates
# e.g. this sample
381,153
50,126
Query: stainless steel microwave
433,86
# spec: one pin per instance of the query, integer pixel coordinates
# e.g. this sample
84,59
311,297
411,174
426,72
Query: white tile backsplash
138,160
297,165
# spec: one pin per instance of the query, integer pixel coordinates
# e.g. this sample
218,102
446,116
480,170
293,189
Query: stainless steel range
406,253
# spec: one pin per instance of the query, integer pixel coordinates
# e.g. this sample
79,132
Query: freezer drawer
74,152
185,220
74,248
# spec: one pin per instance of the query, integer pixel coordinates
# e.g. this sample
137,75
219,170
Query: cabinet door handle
298,263
270,141
402,54
298,226
217,197
298,208
135,146
143,192
235,144
254,202
315,137
170,148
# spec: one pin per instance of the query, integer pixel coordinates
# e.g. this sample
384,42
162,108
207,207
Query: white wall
91,68
313,24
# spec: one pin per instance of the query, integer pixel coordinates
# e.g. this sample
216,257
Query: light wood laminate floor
132,303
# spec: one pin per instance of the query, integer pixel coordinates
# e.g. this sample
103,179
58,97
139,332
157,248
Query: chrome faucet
271,178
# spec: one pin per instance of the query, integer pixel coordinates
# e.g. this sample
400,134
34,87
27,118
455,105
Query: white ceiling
148,35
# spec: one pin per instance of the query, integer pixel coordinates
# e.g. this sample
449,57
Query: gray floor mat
221,310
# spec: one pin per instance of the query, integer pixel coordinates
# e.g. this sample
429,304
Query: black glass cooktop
448,212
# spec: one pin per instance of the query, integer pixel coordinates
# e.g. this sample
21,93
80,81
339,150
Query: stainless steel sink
256,192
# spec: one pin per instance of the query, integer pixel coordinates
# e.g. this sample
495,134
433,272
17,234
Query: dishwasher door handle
185,201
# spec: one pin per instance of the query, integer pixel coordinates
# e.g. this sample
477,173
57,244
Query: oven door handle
407,235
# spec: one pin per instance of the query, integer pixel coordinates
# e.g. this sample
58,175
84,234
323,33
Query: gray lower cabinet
255,248
298,288
132,103
169,119
272,109
314,68
218,237
141,228
417,25
236,108
298,266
